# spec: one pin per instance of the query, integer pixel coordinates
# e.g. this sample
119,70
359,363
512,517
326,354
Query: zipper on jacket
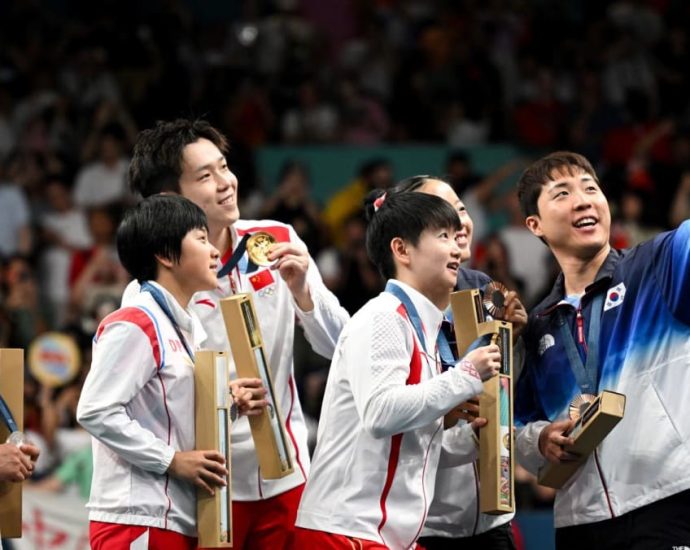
603,483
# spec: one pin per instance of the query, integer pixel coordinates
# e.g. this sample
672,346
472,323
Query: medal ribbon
447,359
236,256
7,417
158,297
585,374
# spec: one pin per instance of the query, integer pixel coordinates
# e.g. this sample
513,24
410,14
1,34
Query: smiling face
198,264
207,181
433,263
574,216
443,190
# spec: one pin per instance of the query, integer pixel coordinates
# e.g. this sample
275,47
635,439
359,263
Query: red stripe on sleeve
137,317
396,441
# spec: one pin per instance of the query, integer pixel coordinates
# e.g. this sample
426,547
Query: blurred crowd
78,80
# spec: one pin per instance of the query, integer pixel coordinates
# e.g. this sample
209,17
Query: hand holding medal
505,304
495,299
258,247
290,259
579,405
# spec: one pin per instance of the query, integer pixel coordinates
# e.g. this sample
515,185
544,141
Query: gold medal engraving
258,246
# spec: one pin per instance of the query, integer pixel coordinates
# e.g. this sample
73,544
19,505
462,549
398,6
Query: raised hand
515,313
292,262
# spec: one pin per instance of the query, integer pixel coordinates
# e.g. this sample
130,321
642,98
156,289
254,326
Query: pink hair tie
378,202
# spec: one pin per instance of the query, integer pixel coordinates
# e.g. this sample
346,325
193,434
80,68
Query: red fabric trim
310,539
280,232
206,302
396,441
105,536
139,318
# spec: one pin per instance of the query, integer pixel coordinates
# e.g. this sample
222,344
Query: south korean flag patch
614,296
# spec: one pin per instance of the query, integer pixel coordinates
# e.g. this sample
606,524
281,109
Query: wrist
303,298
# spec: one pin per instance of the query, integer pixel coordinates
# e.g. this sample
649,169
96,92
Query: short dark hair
403,215
156,227
156,163
538,173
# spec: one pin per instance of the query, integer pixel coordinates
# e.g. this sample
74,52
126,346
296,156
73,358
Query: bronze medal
495,299
258,246
579,405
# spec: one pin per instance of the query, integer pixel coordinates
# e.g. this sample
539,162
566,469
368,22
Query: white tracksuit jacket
138,403
276,311
381,428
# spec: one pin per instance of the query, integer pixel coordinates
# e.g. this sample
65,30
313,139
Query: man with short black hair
614,320
188,157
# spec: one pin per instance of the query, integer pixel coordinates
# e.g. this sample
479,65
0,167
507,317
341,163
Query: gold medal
495,299
579,405
258,246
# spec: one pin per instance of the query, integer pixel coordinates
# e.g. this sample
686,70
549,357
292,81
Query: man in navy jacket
619,321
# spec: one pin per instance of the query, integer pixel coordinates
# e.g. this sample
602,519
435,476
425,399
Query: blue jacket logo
545,343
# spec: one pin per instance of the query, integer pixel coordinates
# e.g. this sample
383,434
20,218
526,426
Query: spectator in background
291,203
462,130
15,224
26,315
364,119
477,192
374,174
631,226
64,231
529,257
7,135
347,270
681,202
312,120
108,116
491,257
104,181
75,470
97,271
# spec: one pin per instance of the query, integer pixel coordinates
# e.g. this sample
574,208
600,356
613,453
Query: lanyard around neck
236,256
7,417
444,350
158,297
585,374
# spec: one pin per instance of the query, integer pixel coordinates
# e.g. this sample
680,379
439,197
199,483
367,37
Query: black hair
414,183
156,227
539,173
403,215
156,164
